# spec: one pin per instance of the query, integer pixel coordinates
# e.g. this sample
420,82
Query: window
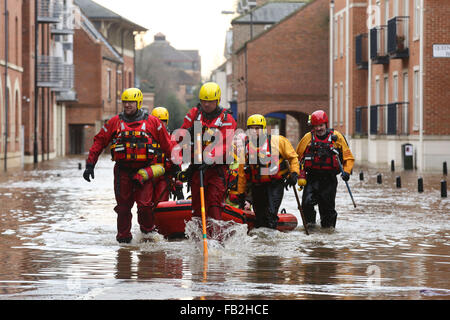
386,90
336,44
395,88
108,84
416,19
336,97
386,101
416,97
341,36
395,5
377,91
405,100
341,107
386,19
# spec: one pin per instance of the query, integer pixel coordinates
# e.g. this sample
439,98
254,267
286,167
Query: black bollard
420,184
398,182
444,168
444,189
79,165
361,176
392,165
379,179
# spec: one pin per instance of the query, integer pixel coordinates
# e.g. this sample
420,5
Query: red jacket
107,133
220,120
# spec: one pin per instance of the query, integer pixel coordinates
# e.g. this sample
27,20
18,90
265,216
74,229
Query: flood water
57,241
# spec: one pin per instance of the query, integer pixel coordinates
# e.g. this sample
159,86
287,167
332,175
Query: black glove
292,179
88,172
183,176
241,200
345,176
178,193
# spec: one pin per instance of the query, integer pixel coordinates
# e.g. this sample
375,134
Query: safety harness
253,171
319,155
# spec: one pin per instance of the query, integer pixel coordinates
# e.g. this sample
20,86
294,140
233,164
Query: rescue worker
315,151
232,197
166,184
132,133
218,126
266,169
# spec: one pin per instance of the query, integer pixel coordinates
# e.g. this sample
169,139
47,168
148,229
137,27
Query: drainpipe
331,59
6,85
369,82
36,89
421,50
347,67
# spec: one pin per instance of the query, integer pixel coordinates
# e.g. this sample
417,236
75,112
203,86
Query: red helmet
319,117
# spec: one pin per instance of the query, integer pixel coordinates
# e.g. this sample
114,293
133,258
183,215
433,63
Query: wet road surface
57,237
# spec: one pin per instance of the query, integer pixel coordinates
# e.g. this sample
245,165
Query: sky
187,25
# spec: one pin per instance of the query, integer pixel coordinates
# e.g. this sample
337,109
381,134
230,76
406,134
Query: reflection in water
57,241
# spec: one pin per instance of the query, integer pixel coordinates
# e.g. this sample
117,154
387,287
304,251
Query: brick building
11,69
285,68
38,77
104,61
389,81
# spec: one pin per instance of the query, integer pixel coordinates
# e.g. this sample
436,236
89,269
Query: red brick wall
437,70
288,65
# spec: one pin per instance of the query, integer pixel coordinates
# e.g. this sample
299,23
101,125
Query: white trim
11,66
353,5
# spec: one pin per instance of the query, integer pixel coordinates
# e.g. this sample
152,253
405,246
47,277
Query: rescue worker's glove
88,172
178,192
241,200
291,180
345,176
184,175
139,179
301,184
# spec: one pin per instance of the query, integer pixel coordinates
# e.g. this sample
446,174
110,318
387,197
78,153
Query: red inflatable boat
171,217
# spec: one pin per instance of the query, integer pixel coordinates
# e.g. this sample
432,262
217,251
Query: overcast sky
188,25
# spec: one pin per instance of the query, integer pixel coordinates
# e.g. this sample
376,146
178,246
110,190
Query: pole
36,89
299,205
202,195
6,85
342,170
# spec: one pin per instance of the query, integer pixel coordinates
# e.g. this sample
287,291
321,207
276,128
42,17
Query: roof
89,27
163,49
94,11
270,12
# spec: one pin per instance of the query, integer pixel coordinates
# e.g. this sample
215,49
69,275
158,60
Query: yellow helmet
133,94
161,113
256,120
210,91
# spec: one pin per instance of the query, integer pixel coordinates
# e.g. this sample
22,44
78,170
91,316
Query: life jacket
232,181
319,155
211,129
133,145
253,171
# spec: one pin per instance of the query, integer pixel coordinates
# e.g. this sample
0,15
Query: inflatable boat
171,218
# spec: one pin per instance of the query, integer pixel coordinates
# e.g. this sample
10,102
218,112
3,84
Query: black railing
361,121
389,119
398,44
361,52
378,47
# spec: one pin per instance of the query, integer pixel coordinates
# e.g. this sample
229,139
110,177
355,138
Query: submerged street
58,241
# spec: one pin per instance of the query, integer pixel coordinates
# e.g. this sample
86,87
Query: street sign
441,50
